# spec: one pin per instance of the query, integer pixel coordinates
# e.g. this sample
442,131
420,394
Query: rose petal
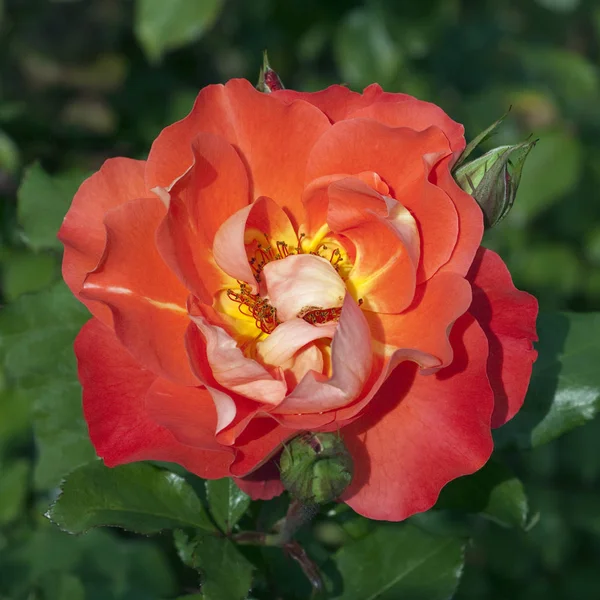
272,136
470,219
215,187
82,232
508,318
301,281
231,369
351,359
262,484
281,345
422,431
237,240
122,431
147,300
396,110
359,145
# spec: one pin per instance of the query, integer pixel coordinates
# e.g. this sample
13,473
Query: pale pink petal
300,281
306,359
406,227
234,371
287,338
229,250
351,358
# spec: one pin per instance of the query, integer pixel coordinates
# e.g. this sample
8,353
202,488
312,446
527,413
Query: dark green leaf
37,335
62,586
61,434
43,202
399,561
226,573
565,387
161,26
13,489
26,272
494,492
227,502
137,497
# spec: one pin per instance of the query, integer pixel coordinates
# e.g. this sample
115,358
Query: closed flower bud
493,179
268,80
316,468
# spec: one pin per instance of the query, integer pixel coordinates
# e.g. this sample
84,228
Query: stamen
264,315
316,315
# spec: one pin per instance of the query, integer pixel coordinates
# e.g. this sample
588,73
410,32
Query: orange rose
295,262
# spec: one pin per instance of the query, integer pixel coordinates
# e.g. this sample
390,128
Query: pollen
315,315
252,305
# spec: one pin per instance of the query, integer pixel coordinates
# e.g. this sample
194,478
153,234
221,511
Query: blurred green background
83,80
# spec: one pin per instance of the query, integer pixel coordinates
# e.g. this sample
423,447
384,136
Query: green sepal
268,80
477,140
493,179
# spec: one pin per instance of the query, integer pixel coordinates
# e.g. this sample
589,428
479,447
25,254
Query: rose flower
293,262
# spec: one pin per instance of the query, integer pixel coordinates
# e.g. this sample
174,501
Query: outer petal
359,145
260,441
420,432
114,387
82,232
274,138
262,484
508,318
147,300
187,412
421,332
214,188
396,110
470,219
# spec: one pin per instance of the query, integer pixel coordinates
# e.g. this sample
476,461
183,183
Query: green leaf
37,335
565,386
226,573
399,561
137,497
227,502
13,489
494,492
161,26
62,586
36,347
25,272
43,201
61,435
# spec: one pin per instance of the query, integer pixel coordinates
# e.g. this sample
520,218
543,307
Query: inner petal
301,284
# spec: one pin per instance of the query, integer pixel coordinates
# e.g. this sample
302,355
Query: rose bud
316,468
493,179
268,80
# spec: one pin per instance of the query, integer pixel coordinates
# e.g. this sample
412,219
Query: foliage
84,80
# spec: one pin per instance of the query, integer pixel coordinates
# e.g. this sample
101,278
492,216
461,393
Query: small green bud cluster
316,468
